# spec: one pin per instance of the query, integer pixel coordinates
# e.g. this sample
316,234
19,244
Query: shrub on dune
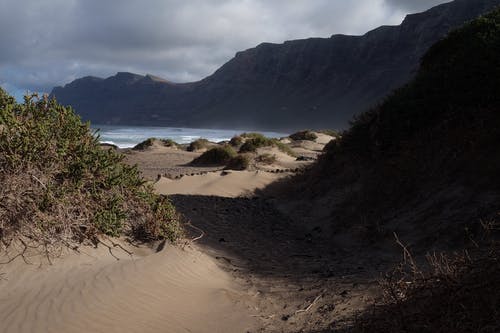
144,144
304,135
236,141
169,143
60,187
215,156
257,140
198,145
151,141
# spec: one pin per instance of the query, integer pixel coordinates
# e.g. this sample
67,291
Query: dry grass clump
60,187
266,159
169,143
198,145
451,293
304,135
215,156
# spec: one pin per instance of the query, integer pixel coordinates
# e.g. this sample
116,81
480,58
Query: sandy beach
174,290
244,266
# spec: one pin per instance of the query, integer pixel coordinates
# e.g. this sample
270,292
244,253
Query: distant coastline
128,136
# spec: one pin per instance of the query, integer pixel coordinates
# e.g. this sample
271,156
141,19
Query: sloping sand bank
175,290
223,184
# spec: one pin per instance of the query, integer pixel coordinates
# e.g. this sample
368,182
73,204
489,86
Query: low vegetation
457,292
438,134
198,144
238,162
267,159
236,141
60,187
150,142
257,140
144,144
304,135
252,135
169,143
216,156
329,132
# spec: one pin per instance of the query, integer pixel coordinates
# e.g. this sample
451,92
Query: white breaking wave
129,136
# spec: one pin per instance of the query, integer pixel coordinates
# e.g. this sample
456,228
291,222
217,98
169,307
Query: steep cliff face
316,82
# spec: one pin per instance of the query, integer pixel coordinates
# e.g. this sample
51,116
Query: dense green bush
215,156
59,186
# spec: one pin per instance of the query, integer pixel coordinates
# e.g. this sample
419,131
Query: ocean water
129,136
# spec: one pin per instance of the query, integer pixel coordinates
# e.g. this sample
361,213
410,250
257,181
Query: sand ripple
172,291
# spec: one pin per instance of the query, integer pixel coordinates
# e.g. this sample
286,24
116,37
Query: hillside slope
419,175
316,82
429,153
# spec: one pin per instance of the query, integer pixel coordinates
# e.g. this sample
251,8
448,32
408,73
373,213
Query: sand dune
223,184
175,290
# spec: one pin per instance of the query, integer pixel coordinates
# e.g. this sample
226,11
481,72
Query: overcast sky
45,43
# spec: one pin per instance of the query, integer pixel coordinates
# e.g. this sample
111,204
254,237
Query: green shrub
198,145
254,141
304,135
215,156
239,162
59,186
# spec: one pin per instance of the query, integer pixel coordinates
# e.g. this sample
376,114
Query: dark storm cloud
51,42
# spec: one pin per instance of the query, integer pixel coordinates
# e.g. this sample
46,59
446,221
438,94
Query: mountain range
307,83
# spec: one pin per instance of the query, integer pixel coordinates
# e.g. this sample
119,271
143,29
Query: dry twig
310,305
